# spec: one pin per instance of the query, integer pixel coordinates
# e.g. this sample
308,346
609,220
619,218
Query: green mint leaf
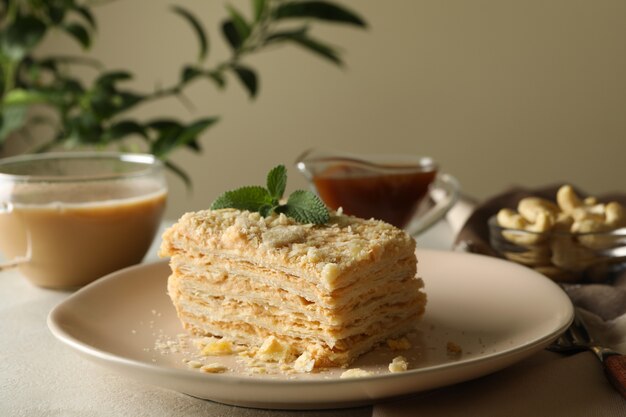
305,207
252,198
267,209
277,181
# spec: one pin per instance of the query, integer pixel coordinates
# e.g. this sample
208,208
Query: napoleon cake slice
330,291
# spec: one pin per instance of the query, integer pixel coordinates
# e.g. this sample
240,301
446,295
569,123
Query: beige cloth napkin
546,384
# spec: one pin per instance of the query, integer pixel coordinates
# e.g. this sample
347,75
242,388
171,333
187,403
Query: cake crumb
304,363
213,368
399,344
194,364
272,350
453,349
398,364
218,347
355,373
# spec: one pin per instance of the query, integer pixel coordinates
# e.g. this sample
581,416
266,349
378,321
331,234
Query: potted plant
96,114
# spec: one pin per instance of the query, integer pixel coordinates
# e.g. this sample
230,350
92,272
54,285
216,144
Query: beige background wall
500,92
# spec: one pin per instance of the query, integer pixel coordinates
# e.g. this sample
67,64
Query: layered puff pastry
330,292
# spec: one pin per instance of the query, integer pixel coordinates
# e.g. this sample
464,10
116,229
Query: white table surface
39,376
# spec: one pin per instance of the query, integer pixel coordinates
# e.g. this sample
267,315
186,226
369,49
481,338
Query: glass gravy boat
392,188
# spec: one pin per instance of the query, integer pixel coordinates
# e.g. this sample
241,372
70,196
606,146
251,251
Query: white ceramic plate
498,313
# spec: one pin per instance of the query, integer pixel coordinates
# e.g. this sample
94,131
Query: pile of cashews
560,239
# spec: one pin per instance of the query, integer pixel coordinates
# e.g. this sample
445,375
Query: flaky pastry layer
333,290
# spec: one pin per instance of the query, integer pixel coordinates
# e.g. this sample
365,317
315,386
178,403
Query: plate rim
95,353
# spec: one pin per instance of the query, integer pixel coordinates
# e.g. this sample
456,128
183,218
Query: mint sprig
303,206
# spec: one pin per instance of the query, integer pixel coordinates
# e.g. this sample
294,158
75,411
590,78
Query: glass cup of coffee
67,219
404,190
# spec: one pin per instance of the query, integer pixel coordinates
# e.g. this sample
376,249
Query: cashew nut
509,219
520,227
590,201
543,223
563,222
567,199
598,219
595,212
570,256
531,207
615,215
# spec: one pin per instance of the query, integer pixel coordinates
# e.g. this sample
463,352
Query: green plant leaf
287,34
190,133
123,129
231,34
166,140
106,103
259,7
22,36
217,78
69,59
71,85
79,33
190,73
305,207
321,10
85,129
125,100
11,119
55,12
87,15
277,181
20,97
248,78
312,45
251,198
172,134
164,124
198,29
242,27
107,79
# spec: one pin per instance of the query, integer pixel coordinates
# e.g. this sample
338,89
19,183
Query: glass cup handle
446,190
7,207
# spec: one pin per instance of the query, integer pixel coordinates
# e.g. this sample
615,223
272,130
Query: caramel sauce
391,197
